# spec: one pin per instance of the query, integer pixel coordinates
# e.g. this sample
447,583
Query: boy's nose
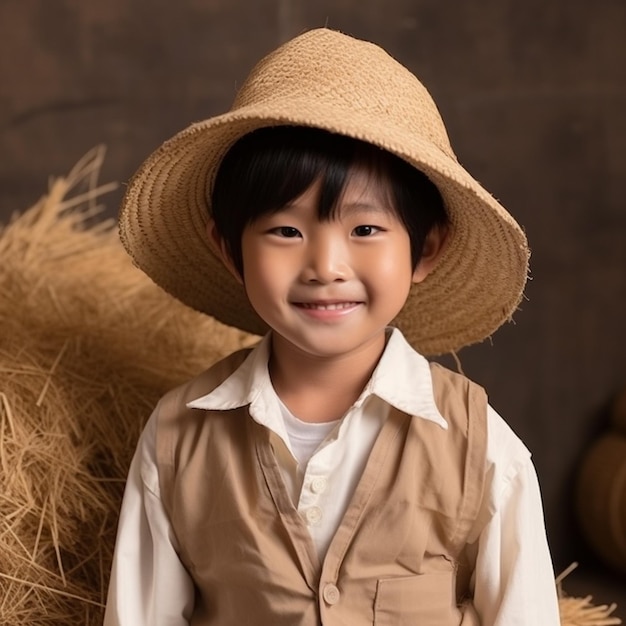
326,261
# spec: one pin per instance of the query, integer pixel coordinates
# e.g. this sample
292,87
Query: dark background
533,94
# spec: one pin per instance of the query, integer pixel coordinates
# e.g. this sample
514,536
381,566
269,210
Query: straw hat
331,81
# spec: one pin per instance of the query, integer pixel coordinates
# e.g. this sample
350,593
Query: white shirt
513,579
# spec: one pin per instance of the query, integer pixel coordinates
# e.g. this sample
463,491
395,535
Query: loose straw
581,611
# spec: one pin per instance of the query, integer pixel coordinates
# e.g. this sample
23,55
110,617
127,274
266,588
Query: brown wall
533,94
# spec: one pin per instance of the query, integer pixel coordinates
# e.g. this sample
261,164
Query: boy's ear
433,246
219,248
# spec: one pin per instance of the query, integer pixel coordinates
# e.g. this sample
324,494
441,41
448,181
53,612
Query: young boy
330,475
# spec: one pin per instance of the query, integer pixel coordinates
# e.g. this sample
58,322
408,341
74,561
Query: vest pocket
424,599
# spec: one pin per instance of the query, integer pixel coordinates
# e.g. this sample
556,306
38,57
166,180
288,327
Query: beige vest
398,555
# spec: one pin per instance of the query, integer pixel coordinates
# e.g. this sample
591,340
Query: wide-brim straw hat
328,80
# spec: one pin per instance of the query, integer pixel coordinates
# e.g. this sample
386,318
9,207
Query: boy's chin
328,346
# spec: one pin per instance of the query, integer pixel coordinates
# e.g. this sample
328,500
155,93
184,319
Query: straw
87,346
581,611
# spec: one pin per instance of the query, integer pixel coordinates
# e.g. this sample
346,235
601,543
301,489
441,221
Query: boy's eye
286,231
365,231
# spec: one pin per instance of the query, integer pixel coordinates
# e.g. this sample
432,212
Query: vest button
331,594
314,515
318,485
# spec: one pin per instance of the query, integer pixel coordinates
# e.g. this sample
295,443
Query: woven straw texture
88,344
331,81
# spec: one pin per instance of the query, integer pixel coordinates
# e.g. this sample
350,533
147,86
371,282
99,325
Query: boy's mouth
326,306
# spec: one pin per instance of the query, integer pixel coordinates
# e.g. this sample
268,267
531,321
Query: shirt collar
402,378
243,386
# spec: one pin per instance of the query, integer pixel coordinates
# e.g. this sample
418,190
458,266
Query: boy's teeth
327,307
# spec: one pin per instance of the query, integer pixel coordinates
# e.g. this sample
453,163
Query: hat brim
475,287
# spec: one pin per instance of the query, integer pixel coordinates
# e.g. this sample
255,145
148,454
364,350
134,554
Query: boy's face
330,288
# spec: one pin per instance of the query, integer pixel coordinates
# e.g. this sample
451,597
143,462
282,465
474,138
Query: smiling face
329,288
326,233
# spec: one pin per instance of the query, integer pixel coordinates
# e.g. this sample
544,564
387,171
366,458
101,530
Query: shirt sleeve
514,577
149,585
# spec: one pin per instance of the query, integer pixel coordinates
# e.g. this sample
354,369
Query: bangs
270,167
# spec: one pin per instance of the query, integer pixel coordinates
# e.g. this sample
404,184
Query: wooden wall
533,94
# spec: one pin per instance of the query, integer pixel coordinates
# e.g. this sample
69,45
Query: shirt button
331,594
318,485
314,515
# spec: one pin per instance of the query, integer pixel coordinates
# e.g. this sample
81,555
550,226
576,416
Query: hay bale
87,346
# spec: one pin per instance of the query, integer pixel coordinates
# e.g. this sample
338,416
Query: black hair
270,167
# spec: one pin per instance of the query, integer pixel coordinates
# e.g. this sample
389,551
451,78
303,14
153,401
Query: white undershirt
305,437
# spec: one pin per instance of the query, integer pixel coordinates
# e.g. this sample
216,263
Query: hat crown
351,78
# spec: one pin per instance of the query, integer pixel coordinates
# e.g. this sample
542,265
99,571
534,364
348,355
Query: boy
330,475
